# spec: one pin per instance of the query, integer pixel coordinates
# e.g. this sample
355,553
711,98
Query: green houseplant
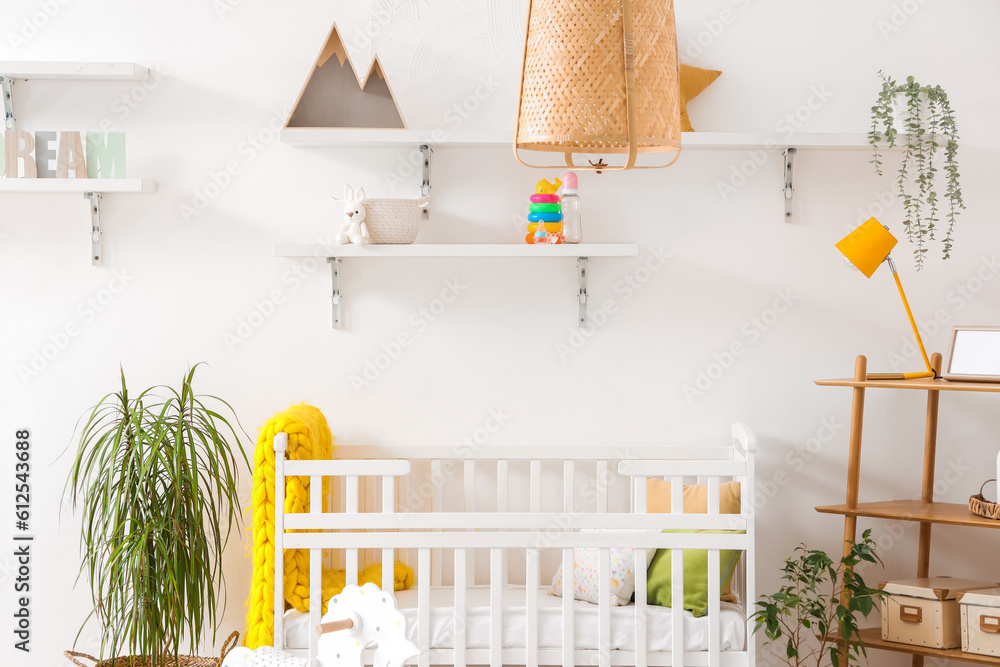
820,596
155,479
924,116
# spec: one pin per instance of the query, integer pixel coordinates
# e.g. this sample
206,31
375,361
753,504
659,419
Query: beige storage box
925,611
981,621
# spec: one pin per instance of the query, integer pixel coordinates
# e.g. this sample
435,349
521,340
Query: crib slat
502,479
460,622
496,607
713,495
371,495
676,495
677,605
502,507
639,498
604,608
531,575
388,555
437,505
569,487
469,477
280,445
424,606
470,485
315,493
602,486
535,482
568,589
315,604
351,555
714,593
641,593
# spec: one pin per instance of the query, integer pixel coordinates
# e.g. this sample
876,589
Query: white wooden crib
485,528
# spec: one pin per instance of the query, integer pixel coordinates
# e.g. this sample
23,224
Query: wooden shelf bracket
7,90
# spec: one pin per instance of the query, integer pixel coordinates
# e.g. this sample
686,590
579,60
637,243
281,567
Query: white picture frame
974,355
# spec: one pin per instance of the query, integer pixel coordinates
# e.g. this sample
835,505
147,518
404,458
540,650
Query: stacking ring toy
545,208
550,227
544,199
545,217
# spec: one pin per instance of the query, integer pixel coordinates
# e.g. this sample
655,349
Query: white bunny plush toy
354,230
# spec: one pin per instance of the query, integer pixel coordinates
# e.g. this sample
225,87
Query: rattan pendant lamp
599,77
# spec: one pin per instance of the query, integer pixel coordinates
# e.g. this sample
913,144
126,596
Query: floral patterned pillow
586,569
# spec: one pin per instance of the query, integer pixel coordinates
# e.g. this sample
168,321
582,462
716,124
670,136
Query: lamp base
901,376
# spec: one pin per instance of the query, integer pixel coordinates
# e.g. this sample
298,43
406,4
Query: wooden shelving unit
872,637
925,511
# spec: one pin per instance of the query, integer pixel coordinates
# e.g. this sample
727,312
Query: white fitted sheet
732,622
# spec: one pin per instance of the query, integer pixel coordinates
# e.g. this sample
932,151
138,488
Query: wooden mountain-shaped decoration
335,96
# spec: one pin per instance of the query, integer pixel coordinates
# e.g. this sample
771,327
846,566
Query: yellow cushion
693,81
695,497
695,502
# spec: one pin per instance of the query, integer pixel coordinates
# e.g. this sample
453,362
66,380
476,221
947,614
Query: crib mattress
732,623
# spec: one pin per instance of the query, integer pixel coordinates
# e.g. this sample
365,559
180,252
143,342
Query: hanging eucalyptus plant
921,115
155,477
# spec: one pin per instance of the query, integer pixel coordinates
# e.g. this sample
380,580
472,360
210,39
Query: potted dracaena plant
922,119
155,480
814,613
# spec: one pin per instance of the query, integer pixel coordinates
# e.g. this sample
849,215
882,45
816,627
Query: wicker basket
394,220
982,507
600,77
147,661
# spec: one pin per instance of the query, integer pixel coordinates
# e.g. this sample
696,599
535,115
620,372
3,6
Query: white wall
225,77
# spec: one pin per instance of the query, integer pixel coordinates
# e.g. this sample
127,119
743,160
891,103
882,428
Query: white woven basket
394,220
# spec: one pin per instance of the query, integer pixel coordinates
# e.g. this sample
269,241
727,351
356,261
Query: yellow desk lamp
866,248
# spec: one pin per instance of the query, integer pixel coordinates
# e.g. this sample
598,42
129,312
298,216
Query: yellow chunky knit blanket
308,438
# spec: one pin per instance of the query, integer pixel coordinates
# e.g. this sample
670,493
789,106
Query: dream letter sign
27,156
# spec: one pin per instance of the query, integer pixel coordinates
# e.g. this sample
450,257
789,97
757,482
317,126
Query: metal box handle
910,614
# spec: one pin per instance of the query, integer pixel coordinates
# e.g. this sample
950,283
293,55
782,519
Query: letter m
105,159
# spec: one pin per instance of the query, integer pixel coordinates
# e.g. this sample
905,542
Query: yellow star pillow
693,81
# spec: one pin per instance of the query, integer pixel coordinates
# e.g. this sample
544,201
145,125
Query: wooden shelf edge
954,514
872,638
920,384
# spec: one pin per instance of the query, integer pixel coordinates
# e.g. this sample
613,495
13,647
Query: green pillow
695,574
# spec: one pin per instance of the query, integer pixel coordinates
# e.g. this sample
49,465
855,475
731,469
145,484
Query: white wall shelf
335,253
788,144
311,136
80,186
460,250
92,71
93,189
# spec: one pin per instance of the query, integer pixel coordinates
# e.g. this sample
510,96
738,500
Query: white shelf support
335,293
789,155
425,185
582,263
7,90
96,236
